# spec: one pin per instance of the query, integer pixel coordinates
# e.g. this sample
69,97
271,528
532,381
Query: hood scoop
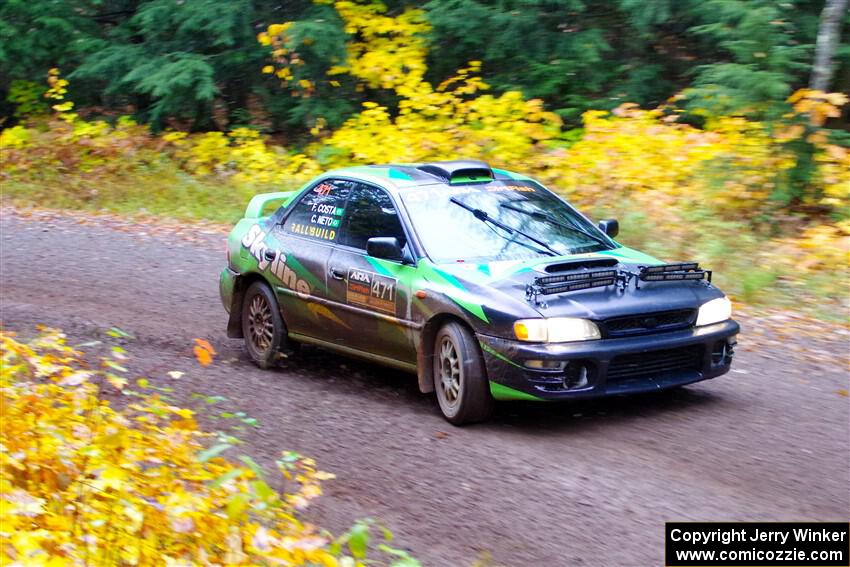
587,263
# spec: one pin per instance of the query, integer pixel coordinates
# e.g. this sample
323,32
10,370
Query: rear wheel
262,325
460,379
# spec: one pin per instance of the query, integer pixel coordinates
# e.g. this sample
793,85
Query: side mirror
610,227
385,247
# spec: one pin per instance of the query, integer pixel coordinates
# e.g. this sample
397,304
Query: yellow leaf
204,352
75,379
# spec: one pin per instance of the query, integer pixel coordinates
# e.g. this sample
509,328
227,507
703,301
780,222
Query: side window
370,212
319,212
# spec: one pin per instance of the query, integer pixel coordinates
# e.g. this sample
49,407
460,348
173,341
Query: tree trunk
829,32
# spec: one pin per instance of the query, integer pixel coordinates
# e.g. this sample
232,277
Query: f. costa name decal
371,290
253,241
326,215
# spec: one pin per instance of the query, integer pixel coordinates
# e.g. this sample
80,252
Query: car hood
502,286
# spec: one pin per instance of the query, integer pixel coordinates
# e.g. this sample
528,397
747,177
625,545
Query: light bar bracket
549,285
590,278
681,271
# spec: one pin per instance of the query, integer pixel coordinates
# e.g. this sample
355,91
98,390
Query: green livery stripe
630,255
500,270
259,203
512,174
490,350
470,179
449,278
441,282
396,174
380,267
474,308
502,392
304,273
452,288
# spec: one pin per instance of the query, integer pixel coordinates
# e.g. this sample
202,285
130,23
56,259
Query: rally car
480,281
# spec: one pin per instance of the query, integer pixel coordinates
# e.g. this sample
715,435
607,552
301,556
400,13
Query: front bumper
608,366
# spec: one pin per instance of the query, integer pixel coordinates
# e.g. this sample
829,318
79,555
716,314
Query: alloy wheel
260,323
451,375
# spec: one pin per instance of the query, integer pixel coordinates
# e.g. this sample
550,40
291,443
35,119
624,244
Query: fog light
545,364
730,349
722,352
577,375
718,353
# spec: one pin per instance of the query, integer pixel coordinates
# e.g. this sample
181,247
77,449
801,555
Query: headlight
714,311
556,330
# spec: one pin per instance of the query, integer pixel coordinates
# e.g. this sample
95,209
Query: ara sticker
371,290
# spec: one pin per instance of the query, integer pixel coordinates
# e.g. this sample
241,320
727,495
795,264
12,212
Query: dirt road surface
571,484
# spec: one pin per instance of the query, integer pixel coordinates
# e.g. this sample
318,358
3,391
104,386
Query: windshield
501,220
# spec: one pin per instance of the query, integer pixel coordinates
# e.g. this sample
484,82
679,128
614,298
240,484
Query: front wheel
262,325
460,379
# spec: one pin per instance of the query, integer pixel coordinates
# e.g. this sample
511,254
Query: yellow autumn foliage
451,120
387,52
243,155
85,483
729,176
732,166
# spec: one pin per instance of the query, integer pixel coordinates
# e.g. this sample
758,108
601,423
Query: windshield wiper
483,216
540,215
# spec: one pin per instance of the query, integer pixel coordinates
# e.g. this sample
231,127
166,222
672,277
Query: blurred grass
729,248
156,190
747,266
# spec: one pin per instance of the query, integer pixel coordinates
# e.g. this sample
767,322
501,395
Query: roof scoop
459,171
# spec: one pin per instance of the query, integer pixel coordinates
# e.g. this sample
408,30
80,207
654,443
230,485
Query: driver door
300,249
371,295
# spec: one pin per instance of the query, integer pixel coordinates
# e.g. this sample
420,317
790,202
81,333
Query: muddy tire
262,325
460,379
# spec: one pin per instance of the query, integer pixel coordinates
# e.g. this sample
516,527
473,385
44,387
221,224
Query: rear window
319,212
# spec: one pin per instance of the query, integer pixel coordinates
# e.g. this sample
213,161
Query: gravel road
574,484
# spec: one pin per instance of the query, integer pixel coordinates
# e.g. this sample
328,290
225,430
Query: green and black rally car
481,281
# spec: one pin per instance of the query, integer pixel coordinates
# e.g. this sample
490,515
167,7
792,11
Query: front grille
656,363
648,323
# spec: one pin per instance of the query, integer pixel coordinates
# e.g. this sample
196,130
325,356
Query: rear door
302,245
372,296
